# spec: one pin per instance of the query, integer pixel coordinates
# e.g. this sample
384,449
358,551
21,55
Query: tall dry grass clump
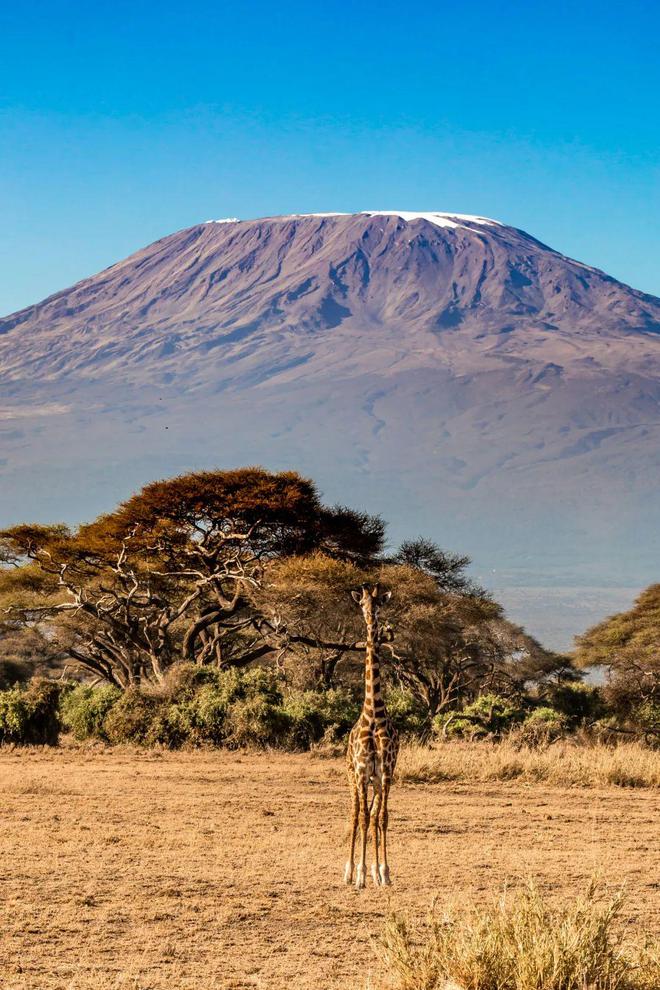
520,943
630,764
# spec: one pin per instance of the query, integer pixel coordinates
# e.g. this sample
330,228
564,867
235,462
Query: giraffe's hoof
348,873
360,880
385,876
375,875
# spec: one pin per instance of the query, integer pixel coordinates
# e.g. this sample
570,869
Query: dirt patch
217,870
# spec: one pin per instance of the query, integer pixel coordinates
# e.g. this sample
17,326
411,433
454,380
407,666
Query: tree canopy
233,569
627,647
167,574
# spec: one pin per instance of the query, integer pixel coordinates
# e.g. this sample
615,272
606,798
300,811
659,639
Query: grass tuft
520,942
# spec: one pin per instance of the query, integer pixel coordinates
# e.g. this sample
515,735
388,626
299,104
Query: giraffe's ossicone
371,755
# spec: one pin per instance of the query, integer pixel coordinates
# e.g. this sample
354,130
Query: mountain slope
451,371
257,283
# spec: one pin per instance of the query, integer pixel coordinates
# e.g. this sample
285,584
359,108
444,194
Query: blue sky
122,122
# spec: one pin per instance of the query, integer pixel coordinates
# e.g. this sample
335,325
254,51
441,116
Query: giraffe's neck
373,701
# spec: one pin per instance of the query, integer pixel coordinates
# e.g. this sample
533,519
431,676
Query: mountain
450,371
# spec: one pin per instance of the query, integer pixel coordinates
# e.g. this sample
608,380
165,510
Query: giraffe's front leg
361,872
375,830
348,871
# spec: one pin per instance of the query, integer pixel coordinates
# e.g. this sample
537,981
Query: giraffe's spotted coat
371,755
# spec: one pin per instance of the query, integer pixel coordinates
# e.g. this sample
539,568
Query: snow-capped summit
439,219
446,369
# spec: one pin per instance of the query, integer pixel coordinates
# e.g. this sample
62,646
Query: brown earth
213,870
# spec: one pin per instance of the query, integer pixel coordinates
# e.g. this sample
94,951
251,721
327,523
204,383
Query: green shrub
542,726
256,721
303,709
451,725
578,702
207,713
405,711
241,707
647,716
29,715
487,715
168,725
183,680
255,683
83,710
130,717
14,715
43,727
196,719
193,706
340,711
204,706
316,715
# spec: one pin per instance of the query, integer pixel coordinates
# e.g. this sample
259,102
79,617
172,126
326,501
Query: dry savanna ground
204,870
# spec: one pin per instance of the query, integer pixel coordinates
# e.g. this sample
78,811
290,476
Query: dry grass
521,942
212,870
562,764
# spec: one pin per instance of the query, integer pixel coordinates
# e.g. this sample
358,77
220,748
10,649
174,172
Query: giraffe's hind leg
384,871
355,800
375,829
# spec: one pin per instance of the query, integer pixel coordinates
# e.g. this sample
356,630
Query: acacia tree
106,610
231,567
309,616
447,569
444,647
627,647
311,608
221,531
167,574
450,646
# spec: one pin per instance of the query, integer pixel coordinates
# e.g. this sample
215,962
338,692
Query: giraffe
372,750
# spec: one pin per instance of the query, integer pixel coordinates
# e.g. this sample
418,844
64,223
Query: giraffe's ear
356,596
384,598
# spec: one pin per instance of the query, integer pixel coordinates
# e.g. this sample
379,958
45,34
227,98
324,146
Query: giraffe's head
370,598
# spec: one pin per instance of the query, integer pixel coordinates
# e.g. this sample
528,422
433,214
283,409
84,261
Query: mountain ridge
330,312
456,374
